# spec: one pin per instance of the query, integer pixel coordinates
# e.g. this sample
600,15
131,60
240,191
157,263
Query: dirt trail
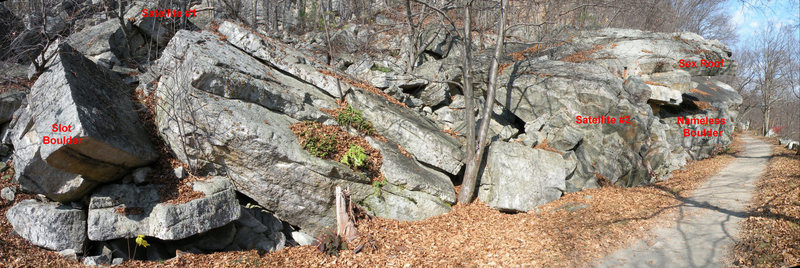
707,222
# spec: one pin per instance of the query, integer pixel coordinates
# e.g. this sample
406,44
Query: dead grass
654,83
364,86
533,50
344,140
451,132
770,236
544,146
697,91
703,105
646,51
584,55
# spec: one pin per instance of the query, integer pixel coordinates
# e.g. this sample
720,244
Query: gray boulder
8,193
519,178
104,43
95,110
233,74
420,137
260,154
435,94
9,103
125,211
284,58
156,29
258,230
49,225
405,172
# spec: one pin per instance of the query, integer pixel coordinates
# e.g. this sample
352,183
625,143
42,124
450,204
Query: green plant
381,68
354,118
318,143
354,157
330,243
377,185
140,241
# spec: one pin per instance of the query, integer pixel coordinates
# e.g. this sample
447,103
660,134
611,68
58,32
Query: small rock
8,193
116,261
140,174
69,253
427,110
97,260
587,197
180,172
303,239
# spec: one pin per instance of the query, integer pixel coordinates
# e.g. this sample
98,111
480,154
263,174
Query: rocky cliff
251,118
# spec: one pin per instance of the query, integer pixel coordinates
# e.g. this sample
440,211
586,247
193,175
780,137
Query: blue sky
750,19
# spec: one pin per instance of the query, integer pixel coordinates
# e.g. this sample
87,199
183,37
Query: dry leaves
470,235
770,236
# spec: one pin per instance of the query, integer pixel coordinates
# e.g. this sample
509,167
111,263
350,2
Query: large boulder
127,210
519,178
646,53
49,225
416,134
284,58
405,172
260,153
9,103
631,76
79,124
104,43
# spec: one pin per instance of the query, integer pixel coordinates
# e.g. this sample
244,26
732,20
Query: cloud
754,24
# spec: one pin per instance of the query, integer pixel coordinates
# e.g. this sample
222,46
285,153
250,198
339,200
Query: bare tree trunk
412,33
473,164
121,17
767,110
345,226
465,196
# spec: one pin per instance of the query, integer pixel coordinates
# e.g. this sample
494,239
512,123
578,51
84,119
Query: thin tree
770,63
473,160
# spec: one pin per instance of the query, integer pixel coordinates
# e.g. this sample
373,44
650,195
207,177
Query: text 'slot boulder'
107,136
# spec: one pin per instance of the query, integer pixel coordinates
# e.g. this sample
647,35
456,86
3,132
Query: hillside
213,141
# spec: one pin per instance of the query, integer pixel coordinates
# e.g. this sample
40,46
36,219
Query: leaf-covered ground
562,233
770,236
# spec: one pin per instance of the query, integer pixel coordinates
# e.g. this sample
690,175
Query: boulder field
224,101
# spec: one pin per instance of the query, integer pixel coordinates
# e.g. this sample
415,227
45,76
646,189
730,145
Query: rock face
49,225
126,210
9,103
413,132
97,117
260,153
626,74
519,178
104,43
283,58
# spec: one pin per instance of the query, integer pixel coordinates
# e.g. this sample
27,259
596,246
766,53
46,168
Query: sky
752,18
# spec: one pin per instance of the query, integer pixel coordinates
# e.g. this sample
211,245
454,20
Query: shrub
318,143
354,118
379,68
354,157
